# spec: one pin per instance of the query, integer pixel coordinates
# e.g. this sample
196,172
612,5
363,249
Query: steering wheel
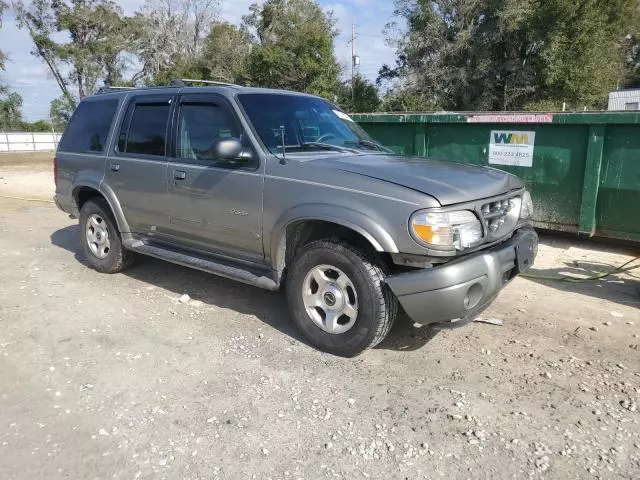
325,137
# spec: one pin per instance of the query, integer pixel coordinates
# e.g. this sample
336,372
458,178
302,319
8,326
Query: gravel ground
115,377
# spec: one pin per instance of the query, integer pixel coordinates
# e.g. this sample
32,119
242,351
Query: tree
10,102
60,112
582,60
631,60
465,54
3,7
99,38
407,100
10,109
510,54
361,97
223,58
294,47
225,53
172,35
37,126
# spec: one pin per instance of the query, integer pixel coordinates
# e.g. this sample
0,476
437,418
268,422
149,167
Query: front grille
500,216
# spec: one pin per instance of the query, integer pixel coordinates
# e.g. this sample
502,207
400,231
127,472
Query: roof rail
184,82
108,88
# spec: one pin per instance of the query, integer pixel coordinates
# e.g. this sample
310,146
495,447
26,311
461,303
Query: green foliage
294,47
10,110
99,38
171,38
407,100
513,54
3,6
60,112
582,60
37,126
362,98
223,58
225,53
11,114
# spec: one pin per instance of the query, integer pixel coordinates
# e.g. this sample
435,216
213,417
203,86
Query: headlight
526,210
446,229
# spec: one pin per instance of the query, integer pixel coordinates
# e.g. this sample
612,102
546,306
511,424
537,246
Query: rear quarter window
89,127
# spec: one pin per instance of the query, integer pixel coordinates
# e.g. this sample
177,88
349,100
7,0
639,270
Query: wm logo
511,138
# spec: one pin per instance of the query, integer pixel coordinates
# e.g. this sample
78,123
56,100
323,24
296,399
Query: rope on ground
621,269
43,200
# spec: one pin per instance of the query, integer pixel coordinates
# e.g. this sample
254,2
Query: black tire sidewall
361,336
113,261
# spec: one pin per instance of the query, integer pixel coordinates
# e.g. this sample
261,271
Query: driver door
215,205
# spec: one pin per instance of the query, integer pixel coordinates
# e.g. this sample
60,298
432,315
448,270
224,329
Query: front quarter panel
376,209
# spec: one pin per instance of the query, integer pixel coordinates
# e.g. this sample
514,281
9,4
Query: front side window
301,123
144,129
89,127
200,126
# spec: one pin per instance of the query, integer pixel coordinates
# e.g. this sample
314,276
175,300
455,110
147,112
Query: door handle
115,167
179,174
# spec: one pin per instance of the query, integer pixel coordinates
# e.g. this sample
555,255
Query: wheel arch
84,191
311,222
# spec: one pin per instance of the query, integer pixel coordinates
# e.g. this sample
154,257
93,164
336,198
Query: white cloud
233,10
28,76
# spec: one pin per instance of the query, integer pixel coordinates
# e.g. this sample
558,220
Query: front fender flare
376,234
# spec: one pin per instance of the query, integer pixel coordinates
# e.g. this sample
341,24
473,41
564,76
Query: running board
220,268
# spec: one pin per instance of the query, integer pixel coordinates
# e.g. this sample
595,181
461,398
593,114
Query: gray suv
275,188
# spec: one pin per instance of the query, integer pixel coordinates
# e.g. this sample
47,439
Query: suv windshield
309,124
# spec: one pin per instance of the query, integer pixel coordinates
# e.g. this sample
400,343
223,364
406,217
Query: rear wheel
338,298
100,238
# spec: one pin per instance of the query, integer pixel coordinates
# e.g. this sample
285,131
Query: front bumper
454,293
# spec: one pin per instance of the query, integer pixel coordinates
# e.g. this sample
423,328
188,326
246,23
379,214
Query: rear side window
144,129
88,129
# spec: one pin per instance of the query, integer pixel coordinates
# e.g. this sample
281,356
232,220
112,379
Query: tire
376,306
106,253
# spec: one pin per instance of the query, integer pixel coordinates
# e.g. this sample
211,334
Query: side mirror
227,149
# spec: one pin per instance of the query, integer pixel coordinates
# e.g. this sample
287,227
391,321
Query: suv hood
448,182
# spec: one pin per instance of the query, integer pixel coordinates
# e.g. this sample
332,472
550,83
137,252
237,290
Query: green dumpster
583,169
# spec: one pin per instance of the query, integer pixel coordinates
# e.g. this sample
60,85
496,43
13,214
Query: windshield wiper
370,144
328,146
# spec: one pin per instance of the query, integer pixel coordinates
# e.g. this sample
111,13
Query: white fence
29,142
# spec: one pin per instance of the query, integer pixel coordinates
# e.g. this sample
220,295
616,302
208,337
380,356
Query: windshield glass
309,124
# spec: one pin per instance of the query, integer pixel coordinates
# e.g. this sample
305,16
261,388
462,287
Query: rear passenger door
137,167
214,205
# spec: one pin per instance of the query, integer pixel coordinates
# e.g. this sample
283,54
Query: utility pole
354,59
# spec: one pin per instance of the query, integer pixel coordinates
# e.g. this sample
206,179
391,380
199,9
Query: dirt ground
112,377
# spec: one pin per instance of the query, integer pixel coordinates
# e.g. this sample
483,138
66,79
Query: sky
30,77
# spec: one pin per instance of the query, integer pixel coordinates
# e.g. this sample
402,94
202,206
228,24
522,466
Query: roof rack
108,88
182,82
185,82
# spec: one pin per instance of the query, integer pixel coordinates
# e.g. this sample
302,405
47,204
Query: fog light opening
473,296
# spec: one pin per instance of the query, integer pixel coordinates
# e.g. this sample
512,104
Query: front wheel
338,298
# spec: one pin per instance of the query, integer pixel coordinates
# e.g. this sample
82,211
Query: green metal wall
585,176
